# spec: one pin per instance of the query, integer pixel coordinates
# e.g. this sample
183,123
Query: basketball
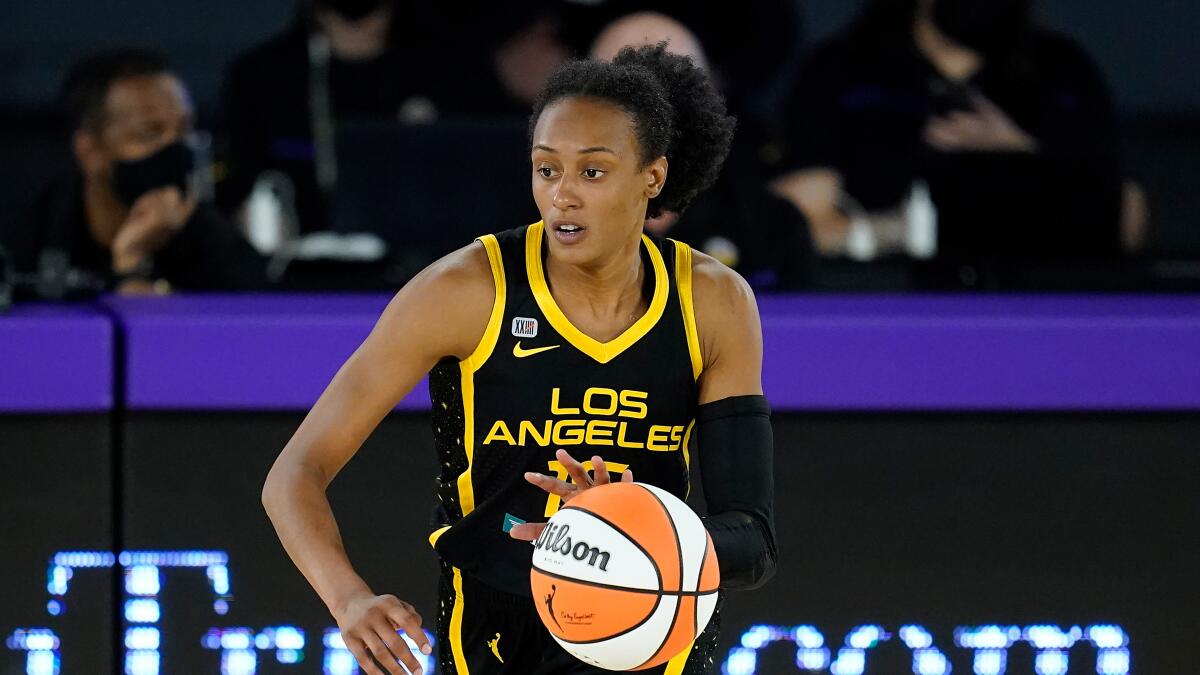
625,576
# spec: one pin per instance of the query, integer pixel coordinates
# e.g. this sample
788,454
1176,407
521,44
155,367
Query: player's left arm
733,426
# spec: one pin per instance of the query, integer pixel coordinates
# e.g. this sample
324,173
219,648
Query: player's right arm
442,312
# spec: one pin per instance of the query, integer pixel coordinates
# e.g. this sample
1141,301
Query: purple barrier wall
822,352
252,352
55,358
982,353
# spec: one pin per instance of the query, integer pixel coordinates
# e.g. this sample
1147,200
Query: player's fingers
407,619
574,468
359,650
627,476
397,646
381,653
550,484
419,637
527,531
601,471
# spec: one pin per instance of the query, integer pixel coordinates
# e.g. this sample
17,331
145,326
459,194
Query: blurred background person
129,213
955,126
527,39
339,59
738,221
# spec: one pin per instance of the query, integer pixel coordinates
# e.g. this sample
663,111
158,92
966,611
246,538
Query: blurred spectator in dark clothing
129,215
960,116
737,221
748,45
341,59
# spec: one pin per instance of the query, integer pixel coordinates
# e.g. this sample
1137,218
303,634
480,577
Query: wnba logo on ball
555,539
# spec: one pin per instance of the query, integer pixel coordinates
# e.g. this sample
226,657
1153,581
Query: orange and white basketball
625,576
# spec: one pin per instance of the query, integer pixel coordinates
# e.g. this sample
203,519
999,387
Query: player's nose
566,197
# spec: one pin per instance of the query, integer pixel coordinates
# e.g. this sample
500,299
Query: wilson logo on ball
555,539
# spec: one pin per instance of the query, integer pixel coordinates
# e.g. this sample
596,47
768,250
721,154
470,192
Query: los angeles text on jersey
609,421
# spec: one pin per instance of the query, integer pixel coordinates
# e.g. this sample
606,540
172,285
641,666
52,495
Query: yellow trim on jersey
456,620
600,351
687,457
675,665
466,492
437,534
683,281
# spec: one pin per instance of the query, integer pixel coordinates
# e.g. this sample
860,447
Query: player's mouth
567,232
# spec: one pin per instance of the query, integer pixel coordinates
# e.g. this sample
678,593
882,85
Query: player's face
588,179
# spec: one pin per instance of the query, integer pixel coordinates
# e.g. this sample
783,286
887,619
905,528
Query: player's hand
580,482
369,623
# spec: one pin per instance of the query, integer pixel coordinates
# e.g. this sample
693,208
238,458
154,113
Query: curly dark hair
677,113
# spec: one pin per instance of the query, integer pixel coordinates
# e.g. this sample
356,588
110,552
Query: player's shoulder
448,303
725,309
715,283
463,272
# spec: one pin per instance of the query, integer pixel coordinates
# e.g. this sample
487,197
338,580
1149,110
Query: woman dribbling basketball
577,336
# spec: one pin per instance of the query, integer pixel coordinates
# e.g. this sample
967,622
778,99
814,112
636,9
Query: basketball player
574,337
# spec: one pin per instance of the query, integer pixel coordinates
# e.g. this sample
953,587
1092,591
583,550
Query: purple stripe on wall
265,352
983,354
822,352
55,358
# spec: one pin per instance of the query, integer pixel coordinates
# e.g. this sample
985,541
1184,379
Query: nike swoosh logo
522,353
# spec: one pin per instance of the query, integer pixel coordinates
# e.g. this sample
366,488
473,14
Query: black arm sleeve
737,474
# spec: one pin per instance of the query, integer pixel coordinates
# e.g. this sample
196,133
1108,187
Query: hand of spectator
985,129
153,220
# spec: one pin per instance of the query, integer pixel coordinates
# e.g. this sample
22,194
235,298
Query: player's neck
608,290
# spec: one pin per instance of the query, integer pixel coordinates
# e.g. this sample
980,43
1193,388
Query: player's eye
546,171
593,173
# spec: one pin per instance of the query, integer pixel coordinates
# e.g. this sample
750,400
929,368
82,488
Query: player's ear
656,177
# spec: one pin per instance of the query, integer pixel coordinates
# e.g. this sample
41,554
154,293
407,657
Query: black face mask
352,10
986,26
170,166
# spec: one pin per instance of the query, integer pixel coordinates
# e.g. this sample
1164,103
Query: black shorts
485,631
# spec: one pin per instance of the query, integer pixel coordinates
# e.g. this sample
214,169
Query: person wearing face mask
127,215
339,59
961,112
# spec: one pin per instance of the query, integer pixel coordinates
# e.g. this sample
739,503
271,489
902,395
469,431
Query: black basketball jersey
536,383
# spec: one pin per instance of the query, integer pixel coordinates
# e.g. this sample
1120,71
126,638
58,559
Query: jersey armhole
683,282
488,342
